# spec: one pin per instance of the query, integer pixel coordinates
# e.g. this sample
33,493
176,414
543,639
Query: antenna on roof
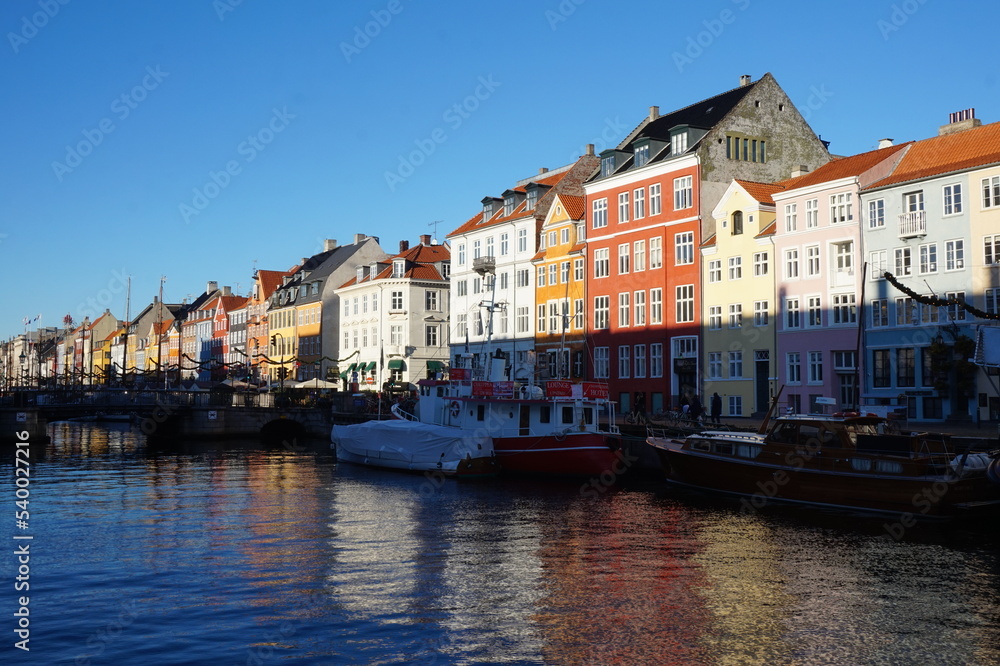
435,224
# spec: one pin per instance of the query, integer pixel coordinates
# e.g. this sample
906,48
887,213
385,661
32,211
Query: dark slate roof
705,114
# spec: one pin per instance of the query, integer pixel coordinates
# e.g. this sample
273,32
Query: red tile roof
709,242
269,281
575,206
945,154
768,230
844,167
761,192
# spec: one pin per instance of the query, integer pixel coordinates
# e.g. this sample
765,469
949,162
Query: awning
352,367
343,375
396,364
435,366
371,367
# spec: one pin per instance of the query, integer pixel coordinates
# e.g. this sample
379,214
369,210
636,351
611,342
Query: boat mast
487,268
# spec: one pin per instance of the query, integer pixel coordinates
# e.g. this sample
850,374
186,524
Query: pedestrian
640,406
696,409
716,407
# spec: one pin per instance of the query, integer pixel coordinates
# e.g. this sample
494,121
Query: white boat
415,447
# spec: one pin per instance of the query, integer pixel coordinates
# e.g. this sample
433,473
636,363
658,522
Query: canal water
241,553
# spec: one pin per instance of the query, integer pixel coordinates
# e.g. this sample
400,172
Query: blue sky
196,139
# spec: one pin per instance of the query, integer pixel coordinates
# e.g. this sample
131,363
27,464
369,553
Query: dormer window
490,207
508,206
679,142
446,269
361,273
532,198
641,154
398,268
607,165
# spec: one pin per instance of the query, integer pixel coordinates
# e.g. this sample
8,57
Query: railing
913,224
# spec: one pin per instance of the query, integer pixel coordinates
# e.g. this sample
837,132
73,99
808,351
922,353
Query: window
735,315
759,264
521,277
555,318
844,257
522,240
578,314
792,263
684,248
624,256
955,311
992,300
812,261
624,362
815,367
928,313
564,272
928,258
656,359
640,308
477,249
735,364
876,213
715,270
521,319
578,269
540,327
431,335
953,199
904,312
906,363
600,213
654,199
685,303
396,301
641,155
714,317
656,306
461,328
880,312
602,309
461,254
715,365
991,192
845,310
553,273
737,223
639,352
735,268
430,300
683,193
600,362
760,313
913,201
622,207
991,249
505,280
882,376
607,165
679,143
879,262
639,203
792,319
902,261
564,235
791,217
477,285
793,366
812,213
624,309
504,244
489,247
954,254
840,208
735,405
814,315
655,252
639,256
602,262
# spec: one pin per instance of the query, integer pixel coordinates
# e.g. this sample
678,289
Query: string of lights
940,302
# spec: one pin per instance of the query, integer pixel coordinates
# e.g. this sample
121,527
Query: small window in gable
398,268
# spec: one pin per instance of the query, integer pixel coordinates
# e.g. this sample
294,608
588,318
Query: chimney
227,291
744,80
654,113
156,299
960,121
329,244
590,149
358,238
212,286
800,170
425,239
404,245
885,143
542,170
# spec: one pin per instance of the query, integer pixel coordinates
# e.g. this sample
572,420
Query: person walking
716,407
697,410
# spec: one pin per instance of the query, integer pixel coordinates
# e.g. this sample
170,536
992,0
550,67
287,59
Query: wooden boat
839,461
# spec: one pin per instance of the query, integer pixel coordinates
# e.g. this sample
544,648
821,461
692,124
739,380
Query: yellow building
559,277
738,278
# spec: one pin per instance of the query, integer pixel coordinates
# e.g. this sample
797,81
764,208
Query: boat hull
760,483
583,454
467,468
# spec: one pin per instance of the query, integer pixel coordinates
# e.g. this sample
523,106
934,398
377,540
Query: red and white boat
553,429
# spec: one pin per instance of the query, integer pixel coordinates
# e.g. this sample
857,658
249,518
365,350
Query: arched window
737,222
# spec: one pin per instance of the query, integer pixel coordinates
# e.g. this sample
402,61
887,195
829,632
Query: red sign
558,389
482,389
459,374
595,391
493,389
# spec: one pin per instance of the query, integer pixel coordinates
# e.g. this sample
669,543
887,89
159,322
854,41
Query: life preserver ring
454,408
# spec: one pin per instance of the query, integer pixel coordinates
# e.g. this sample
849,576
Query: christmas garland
940,302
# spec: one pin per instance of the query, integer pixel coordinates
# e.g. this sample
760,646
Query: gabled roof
575,206
421,259
940,155
761,192
844,167
269,281
705,114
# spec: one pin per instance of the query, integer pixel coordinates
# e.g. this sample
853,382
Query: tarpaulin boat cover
410,441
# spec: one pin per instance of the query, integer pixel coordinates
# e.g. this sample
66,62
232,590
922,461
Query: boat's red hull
584,454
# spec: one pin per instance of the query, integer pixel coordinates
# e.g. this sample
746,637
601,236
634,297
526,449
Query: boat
415,447
848,461
554,430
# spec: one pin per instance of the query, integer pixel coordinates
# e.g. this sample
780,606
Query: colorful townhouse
257,330
222,307
394,323
493,288
235,356
819,267
650,208
560,294
919,229
738,305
